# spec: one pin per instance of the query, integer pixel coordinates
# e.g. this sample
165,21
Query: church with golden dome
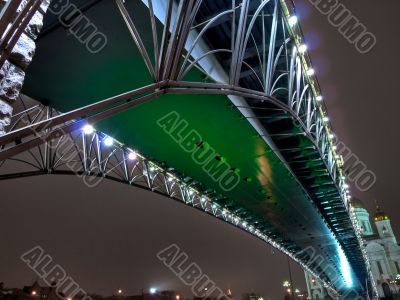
382,248
383,252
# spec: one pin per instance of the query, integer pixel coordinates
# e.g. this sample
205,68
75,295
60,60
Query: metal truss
87,155
250,51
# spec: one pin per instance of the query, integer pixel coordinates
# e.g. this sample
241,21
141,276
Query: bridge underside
285,191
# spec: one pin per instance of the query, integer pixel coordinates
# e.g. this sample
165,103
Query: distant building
37,292
160,295
302,295
32,292
382,249
251,296
298,295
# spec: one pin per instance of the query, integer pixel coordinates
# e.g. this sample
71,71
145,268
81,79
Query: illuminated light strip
317,94
327,129
345,266
339,162
363,250
217,210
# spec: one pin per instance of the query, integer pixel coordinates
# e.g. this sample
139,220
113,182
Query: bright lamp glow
132,155
302,48
310,72
286,283
88,129
345,266
153,290
319,98
292,21
108,141
325,119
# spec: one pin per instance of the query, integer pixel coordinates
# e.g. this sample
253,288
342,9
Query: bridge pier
16,55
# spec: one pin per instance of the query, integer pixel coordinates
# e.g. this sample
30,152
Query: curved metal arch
155,178
199,36
168,66
187,87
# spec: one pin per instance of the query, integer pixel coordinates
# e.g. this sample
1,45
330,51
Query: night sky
108,237
361,92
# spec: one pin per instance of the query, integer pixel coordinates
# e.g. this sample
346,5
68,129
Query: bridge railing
280,73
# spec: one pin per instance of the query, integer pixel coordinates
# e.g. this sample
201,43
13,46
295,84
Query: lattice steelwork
87,154
251,51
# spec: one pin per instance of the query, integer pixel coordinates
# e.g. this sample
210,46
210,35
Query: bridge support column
12,72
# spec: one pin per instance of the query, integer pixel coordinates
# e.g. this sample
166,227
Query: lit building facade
382,249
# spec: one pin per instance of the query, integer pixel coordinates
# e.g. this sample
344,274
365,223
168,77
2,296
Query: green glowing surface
66,76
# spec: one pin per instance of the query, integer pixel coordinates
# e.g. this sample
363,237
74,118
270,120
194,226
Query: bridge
213,103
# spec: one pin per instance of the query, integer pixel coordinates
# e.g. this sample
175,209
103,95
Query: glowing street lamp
153,290
88,129
286,283
302,48
292,20
132,155
119,291
33,293
108,141
310,72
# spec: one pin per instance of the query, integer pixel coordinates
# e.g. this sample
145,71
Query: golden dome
380,215
357,203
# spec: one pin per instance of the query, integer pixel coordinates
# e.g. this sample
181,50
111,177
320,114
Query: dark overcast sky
110,242
108,237
361,92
